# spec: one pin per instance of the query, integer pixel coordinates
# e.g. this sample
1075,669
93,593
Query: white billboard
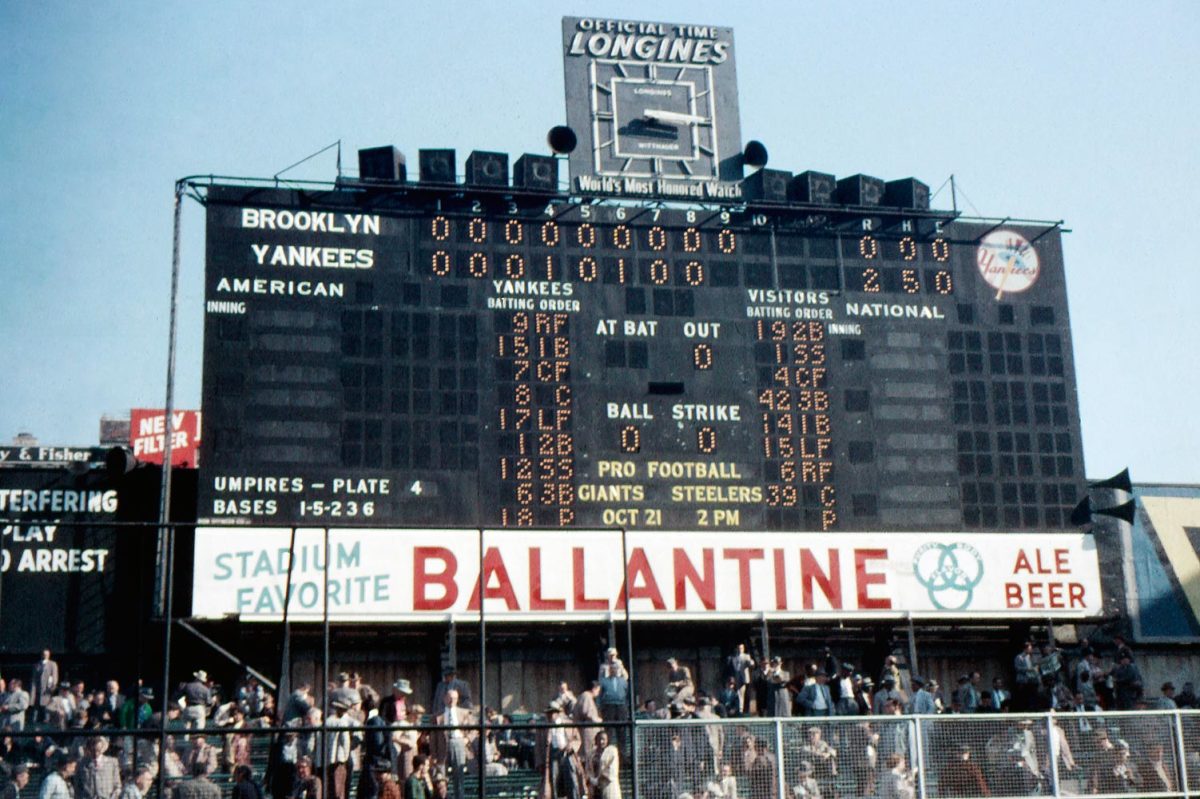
434,574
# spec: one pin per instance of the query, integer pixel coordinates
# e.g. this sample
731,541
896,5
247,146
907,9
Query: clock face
653,120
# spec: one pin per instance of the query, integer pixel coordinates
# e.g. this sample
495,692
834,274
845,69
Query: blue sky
1086,112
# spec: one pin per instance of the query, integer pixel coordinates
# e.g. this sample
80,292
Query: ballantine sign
429,575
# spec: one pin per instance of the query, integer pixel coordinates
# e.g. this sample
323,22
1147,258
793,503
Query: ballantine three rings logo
949,573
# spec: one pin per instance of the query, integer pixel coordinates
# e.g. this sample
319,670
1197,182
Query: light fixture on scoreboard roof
906,193
536,173
768,185
487,169
814,187
437,166
860,190
562,139
382,164
754,154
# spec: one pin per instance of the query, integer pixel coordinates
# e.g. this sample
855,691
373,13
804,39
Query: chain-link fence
1155,753
903,757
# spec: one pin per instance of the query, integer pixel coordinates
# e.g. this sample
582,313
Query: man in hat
780,702
679,684
98,776
614,695
815,698
922,701
196,698
450,682
60,710
887,692
842,690
338,744
395,709
345,693
377,747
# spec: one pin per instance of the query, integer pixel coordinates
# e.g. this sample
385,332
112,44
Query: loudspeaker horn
1125,511
1119,481
1083,512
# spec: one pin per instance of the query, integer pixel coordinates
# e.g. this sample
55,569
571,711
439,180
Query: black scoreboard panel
439,359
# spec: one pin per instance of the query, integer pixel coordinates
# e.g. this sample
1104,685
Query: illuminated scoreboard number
794,408
905,265
535,419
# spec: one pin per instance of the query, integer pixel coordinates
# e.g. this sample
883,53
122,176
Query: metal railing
1152,753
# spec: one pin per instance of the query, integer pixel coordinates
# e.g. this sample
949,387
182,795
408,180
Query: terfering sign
429,575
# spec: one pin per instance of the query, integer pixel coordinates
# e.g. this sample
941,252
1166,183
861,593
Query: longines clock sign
654,106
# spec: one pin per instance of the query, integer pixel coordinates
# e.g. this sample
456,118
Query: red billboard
148,435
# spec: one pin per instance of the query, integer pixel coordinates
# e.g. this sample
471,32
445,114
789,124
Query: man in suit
815,698
740,666
450,682
586,711
13,705
455,718
43,684
98,776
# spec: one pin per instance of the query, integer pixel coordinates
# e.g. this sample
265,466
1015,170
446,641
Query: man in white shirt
337,751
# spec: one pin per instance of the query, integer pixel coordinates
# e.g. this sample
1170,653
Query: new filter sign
415,575
148,431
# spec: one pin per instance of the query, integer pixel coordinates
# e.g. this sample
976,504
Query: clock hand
671,117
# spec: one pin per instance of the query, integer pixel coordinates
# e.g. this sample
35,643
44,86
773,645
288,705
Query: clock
653,120
654,107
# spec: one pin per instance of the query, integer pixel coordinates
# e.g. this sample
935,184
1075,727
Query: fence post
1052,748
919,757
1181,753
781,783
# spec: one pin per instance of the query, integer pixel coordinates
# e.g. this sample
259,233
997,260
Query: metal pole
165,530
285,657
479,761
766,637
168,611
1181,754
780,782
164,495
919,755
953,195
912,648
632,699
325,675
1052,748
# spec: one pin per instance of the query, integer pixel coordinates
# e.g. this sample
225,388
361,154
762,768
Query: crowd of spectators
83,744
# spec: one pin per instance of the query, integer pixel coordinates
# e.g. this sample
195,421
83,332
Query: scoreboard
442,357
